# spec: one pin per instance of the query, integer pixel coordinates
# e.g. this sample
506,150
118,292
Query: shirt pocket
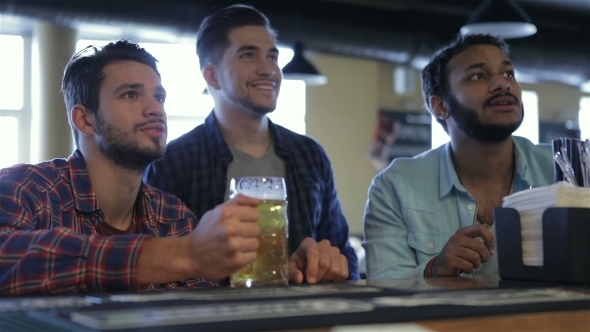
426,234
426,245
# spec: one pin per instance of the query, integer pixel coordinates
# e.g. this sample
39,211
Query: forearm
62,261
163,260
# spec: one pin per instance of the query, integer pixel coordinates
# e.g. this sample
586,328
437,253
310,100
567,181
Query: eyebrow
255,48
483,64
136,86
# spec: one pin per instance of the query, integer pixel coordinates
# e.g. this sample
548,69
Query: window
584,118
12,72
528,129
8,133
530,124
14,109
187,106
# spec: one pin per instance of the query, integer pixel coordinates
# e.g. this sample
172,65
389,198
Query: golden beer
272,263
271,266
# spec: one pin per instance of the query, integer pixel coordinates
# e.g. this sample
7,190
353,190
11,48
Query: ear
211,76
82,119
438,107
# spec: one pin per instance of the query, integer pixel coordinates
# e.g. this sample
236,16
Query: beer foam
262,194
267,188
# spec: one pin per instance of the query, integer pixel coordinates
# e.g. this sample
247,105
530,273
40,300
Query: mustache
488,101
137,126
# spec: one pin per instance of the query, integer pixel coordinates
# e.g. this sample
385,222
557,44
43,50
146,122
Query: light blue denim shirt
416,204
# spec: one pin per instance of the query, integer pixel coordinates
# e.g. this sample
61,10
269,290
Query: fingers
338,269
479,231
465,251
295,271
246,245
470,256
238,213
242,259
240,199
312,256
241,229
343,268
325,263
463,266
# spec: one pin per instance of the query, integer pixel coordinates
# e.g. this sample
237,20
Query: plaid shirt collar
83,196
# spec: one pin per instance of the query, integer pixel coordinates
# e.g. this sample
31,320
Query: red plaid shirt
48,232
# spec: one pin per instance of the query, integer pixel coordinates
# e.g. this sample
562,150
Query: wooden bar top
567,321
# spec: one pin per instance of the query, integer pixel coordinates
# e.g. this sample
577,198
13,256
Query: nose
154,107
500,83
266,67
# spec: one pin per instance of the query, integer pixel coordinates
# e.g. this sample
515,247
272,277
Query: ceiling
398,31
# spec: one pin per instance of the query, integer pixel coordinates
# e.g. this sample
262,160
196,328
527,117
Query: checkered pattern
48,232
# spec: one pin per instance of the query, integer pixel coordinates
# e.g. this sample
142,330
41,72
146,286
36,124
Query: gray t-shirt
246,165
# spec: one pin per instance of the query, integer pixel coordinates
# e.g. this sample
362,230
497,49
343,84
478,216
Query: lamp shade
299,68
503,18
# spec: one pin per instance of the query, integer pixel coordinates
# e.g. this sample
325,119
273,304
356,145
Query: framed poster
399,134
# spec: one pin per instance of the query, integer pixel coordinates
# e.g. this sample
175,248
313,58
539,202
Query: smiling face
484,100
248,76
130,124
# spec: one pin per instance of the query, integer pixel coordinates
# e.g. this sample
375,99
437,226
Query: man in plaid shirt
238,57
88,223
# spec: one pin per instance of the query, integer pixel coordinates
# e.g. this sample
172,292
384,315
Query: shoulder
302,147
291,137
427,161
414,176
529,147
186,140
42,176
533,151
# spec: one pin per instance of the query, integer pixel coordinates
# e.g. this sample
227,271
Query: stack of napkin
531,204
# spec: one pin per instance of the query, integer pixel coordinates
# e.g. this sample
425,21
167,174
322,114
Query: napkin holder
566,246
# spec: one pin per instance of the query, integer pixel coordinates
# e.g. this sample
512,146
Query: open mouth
503,103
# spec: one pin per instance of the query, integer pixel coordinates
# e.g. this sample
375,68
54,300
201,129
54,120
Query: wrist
181,261
429,269
164,259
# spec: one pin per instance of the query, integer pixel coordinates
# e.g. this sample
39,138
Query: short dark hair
434,76
212,38
83,75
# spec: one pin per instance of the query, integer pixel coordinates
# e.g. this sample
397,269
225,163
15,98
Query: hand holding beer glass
271,266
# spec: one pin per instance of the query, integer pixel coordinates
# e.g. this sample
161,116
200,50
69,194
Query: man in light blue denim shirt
432,215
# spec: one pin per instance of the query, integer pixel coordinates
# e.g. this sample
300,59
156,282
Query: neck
116,188
243,129
482,162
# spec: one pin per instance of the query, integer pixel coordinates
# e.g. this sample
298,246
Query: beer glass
272,263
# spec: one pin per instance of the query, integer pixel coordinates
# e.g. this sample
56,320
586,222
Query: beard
248,104
469,123
122,151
